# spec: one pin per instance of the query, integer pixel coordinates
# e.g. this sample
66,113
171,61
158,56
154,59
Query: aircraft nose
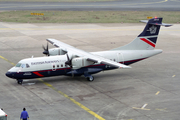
9,74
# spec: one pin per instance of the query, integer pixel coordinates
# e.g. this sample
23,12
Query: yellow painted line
157,92
66,96
140,108
164,110
173,75
7,60
72,100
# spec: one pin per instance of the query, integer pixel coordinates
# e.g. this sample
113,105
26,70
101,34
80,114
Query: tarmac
150,90
116,5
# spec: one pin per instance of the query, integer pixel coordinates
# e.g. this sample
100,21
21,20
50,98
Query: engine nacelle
56,51
80,62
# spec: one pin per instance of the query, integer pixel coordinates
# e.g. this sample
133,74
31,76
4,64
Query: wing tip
125,67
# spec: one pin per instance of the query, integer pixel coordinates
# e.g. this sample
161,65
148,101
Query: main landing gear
19,81
90,78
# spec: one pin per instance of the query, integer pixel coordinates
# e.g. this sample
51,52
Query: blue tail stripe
153,39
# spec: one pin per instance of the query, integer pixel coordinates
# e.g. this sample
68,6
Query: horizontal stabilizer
156,23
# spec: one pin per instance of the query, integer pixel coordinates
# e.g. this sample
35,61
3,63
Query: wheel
91,78
19,81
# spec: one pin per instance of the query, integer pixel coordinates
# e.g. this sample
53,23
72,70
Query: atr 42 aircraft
70,61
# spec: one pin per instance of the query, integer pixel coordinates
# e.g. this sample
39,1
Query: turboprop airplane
70,61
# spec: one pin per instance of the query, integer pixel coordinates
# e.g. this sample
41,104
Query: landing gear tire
20,82
91,78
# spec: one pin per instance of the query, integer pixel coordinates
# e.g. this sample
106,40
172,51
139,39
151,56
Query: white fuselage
55,65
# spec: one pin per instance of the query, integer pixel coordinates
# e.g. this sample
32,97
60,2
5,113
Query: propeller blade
67,57
47,47
43,47
46,50
68,62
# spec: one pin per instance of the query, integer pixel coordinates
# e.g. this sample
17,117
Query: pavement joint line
140,108
100,29
63,94
120,29
72,100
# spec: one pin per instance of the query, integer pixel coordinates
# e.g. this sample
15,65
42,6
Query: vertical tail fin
148,38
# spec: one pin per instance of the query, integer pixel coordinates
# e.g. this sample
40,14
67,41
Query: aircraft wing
87,55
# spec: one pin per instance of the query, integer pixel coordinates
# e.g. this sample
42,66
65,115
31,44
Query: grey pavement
150,90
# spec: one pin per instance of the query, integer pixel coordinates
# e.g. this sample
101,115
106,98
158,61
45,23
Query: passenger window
27,65
53,66
61,65
57,65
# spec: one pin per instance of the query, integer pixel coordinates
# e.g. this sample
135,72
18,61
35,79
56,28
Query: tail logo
153,29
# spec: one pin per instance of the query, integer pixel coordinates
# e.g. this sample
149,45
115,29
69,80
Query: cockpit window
23,65
27,65
18,64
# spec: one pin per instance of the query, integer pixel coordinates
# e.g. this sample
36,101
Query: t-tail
148,38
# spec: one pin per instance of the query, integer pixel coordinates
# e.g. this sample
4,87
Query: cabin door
53,67
120,58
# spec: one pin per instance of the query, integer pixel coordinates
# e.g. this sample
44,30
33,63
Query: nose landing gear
19,81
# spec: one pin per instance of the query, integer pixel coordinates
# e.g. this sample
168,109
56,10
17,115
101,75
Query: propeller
46,52
69,61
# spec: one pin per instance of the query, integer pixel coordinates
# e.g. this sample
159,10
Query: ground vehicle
3,115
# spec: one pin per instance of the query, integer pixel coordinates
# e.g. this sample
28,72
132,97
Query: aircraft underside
86,71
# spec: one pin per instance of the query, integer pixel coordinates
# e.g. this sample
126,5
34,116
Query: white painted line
144,106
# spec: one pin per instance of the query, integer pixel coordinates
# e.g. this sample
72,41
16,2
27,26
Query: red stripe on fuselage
148,42
40,75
